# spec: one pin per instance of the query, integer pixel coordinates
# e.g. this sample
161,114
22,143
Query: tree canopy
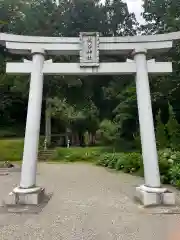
90,101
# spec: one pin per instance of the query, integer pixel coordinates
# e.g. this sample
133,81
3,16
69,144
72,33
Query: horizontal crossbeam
74,48
75,69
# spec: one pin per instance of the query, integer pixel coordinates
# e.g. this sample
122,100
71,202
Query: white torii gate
89,46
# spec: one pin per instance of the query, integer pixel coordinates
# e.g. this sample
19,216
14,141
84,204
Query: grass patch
79,154
169,160
11,150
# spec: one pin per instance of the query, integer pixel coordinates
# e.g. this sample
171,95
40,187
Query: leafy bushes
108,160
78,154
168,135
169,161
107,132
161,134
170,167
127,162
173,129
169,164
174,175
165,164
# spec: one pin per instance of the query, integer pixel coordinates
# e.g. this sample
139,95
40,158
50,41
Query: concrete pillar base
154,196
31,196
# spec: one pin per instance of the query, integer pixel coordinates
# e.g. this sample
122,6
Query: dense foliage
169,161
103,104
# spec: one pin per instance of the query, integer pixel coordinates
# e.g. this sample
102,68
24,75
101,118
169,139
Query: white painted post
68,143
148,141
29,165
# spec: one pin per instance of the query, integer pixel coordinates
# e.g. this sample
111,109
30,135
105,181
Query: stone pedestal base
31,196
154,196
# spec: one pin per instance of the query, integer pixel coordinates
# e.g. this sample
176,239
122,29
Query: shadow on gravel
26,209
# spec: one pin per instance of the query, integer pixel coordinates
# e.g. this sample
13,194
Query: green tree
107,132
89,99
126,114
162,17
161,135
173,129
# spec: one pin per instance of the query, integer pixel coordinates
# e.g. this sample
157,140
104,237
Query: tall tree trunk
48,122
81,140
93,139
89,139
66,137
74,139
77,139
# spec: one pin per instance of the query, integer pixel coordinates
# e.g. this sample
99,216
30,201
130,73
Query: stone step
44,155
46,151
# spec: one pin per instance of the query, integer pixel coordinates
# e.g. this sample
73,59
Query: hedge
169,161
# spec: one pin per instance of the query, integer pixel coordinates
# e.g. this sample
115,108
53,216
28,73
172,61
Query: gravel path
88,203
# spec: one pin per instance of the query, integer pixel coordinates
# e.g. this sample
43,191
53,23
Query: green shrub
128,162
165,153
77,154
113,158
131,162
122,161
175,157
107,132
105,160
137,141
173,129
161,136
169,161
100,161
174,173
165,163
164,167
119,165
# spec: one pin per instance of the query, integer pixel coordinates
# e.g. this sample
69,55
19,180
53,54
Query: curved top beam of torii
5,37
71,45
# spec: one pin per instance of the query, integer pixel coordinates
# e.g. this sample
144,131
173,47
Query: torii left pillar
28,192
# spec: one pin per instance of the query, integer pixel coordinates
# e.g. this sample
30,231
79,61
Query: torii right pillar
151,193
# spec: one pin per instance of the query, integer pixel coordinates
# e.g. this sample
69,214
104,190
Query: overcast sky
136,7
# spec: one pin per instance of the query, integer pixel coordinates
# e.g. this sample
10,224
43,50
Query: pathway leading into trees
88,203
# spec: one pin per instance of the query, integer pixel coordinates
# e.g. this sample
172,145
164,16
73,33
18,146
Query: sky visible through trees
134,6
